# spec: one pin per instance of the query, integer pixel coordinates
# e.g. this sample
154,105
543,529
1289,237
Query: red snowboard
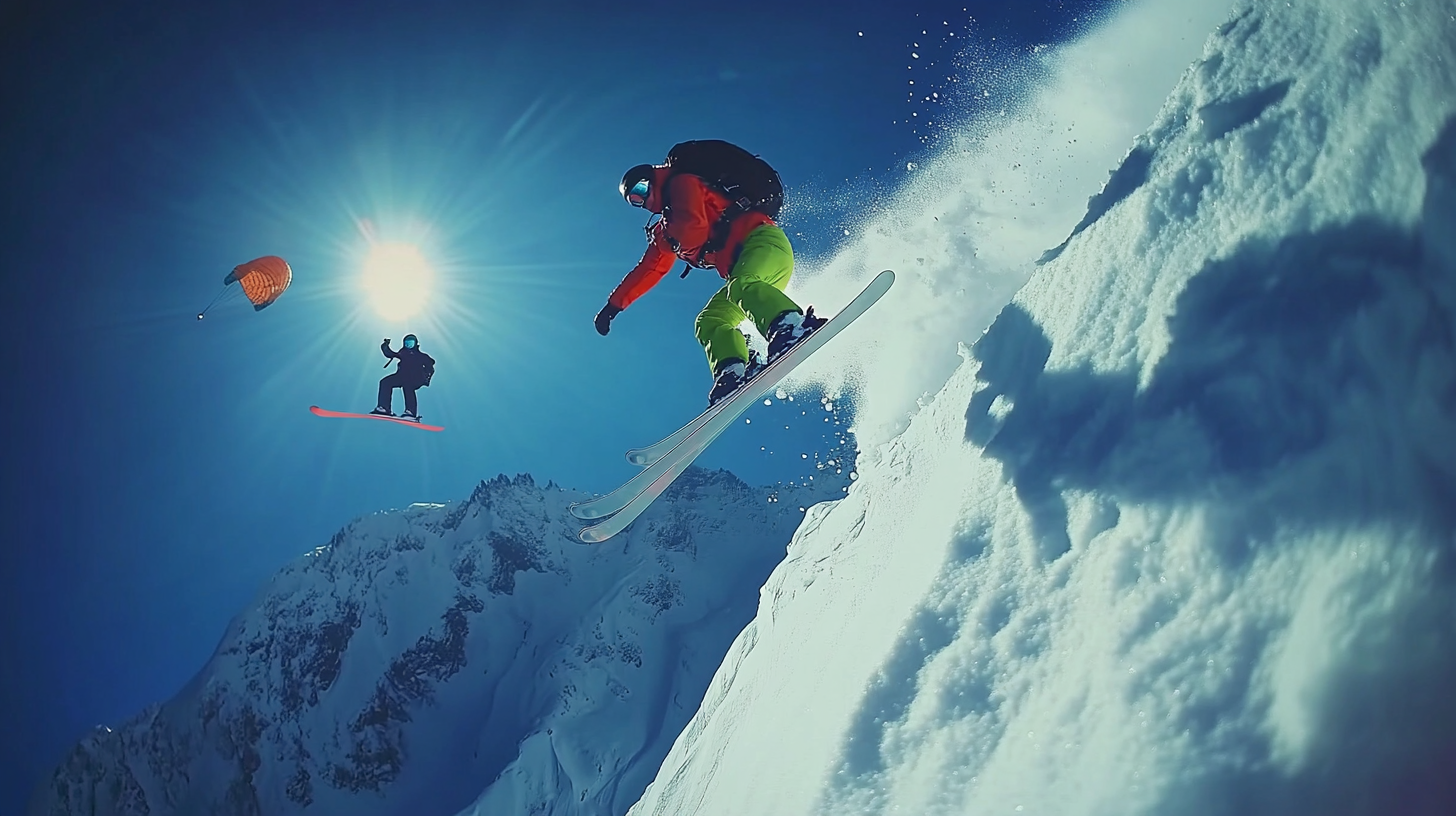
324,412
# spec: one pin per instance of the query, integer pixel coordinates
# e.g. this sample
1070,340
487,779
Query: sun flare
398,280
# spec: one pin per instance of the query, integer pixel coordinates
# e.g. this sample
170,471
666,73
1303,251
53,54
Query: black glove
604,318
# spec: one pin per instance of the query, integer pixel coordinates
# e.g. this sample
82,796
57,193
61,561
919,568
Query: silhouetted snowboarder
415,370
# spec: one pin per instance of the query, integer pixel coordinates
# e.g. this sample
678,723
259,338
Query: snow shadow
1262,360
864,761
888,697
1285,397
1288,394
1289,360
1218,119
1274,350
1124,181
932,627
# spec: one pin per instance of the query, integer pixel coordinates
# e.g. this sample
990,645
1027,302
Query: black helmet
410,341
635,184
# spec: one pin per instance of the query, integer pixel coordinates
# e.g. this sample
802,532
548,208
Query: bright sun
398,279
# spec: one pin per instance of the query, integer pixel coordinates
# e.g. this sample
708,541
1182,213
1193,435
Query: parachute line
211,304
261,280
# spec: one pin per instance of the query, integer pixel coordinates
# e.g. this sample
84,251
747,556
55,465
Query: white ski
643,457
627,502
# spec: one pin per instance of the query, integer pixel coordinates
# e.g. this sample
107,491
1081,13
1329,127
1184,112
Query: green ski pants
755,290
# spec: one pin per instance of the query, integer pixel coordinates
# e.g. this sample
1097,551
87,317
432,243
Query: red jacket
685,226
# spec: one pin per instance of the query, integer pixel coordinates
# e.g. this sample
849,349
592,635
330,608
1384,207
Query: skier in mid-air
717,205
414,371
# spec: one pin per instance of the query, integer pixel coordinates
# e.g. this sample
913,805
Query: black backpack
747,180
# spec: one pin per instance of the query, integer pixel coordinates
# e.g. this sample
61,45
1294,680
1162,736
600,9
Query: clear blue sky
158,470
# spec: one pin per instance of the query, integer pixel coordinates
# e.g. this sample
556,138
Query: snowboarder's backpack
747,180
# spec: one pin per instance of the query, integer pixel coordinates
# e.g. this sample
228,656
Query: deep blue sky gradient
158,470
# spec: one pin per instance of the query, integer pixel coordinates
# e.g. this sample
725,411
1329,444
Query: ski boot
755,365
731,376
410,415
789,328
382,411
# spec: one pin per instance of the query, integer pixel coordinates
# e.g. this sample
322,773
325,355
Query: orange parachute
262,280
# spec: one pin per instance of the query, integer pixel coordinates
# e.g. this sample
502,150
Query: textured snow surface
433,656
1177,534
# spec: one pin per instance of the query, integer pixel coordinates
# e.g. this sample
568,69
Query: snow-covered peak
430,657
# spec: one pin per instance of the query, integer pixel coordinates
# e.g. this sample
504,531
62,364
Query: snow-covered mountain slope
428,655
1177,535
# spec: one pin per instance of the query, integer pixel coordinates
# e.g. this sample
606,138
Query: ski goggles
637,196
410,343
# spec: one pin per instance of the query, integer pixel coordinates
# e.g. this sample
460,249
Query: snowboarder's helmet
410,341
636,184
